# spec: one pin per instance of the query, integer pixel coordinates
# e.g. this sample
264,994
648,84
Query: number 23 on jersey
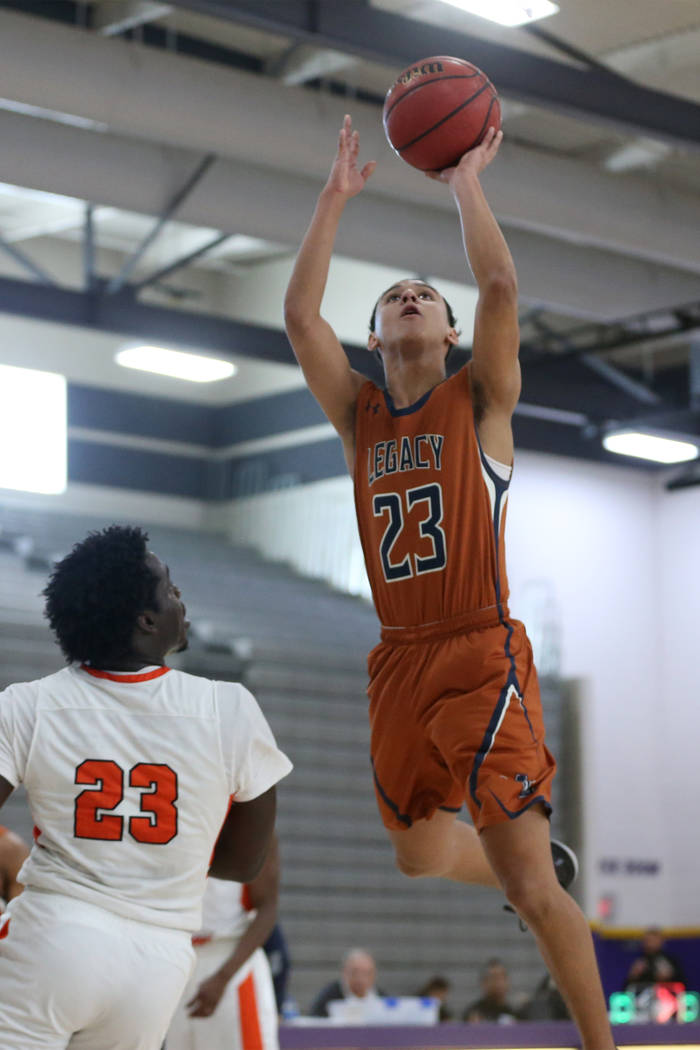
92,816
391,506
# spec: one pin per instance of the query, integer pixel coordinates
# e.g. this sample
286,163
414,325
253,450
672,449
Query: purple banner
464,1036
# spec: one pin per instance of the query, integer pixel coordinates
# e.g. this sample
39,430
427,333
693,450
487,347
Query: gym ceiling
152,153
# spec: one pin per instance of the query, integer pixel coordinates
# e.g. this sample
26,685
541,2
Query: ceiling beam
368,32
111,17
245,198
159,98
170,209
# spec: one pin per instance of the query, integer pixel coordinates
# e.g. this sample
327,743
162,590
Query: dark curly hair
96,592
451,319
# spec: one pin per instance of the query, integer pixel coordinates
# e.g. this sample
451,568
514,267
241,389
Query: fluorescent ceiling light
32,430
196,368
507,12
640,153
650,446
56,115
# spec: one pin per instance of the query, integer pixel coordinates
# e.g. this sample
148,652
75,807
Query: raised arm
495,369
326,368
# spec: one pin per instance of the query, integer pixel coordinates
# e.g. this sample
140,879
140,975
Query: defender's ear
373,343
146,622
453,337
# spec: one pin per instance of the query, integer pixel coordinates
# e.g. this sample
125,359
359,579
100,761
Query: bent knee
532,900
416,866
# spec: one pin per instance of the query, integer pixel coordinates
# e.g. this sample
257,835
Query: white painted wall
603,557
676,776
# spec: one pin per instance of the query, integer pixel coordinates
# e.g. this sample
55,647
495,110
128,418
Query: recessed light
654,447
195,368
507,12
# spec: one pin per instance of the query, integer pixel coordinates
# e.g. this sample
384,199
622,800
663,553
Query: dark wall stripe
296,465
95,464
127,413
275,414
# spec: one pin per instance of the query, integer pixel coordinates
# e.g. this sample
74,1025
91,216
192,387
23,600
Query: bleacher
301,648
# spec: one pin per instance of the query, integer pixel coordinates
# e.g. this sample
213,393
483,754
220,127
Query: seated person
546,1003
437,988
493,1004
654,965
356,982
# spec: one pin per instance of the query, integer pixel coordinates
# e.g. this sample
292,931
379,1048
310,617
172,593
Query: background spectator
357,980
546,1003
493,1004
654,965
438,988
277,952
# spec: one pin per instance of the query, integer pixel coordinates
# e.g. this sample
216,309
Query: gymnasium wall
603,570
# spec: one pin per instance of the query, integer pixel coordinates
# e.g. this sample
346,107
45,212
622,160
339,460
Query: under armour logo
527,785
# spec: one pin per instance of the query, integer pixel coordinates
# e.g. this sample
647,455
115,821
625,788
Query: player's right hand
345,177
206,999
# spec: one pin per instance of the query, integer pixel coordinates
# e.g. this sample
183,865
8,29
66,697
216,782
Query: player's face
172,622
411,309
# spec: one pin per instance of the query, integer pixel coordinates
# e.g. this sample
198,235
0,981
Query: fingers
346,132
368,169
491,143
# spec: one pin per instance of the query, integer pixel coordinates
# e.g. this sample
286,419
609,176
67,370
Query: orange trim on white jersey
251,1035
115,676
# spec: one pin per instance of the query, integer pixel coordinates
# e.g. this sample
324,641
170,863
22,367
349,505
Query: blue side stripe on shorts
403,817
513,813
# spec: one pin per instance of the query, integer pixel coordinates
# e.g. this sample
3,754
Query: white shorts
246,1017
75,975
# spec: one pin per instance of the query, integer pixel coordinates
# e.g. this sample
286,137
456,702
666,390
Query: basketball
438,109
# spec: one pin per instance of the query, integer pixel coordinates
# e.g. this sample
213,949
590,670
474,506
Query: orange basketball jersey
430,508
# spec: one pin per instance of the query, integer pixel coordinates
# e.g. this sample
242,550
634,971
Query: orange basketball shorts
456,718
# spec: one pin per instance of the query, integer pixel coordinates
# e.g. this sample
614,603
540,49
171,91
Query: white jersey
226,911
129,778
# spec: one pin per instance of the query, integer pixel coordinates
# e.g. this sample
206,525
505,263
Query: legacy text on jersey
422,452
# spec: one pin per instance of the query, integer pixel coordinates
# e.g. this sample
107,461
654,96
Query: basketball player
130,769
13,853
454,702
229,1002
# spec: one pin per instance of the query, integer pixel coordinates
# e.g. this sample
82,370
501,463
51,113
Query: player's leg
519,852
442,847
245,1016
145,972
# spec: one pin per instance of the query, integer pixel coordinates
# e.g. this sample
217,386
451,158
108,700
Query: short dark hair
95,594
452,320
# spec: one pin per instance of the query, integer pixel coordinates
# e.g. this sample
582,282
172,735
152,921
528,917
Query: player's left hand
474,160
206,999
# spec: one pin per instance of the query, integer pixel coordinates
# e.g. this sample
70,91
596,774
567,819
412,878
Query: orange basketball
437,109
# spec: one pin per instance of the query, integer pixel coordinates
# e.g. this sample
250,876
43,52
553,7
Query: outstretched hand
474,160
345,176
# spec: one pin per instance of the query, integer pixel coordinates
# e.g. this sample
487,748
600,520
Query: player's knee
415,865
532,899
